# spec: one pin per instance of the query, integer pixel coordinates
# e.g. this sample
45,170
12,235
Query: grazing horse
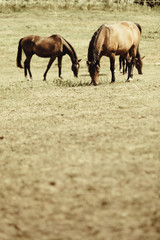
123,65
46,47
110,40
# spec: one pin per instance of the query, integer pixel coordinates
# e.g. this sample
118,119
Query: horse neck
68,49
95,47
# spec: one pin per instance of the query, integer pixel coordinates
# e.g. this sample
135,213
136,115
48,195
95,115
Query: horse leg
29,70
131,64
122,61
91,82
120,64
129,71
25,69
48,67
59,65
124,71
112,67
27,66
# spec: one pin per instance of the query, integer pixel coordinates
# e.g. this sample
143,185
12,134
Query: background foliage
82,4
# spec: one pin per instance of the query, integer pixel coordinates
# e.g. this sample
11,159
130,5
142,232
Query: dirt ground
78,161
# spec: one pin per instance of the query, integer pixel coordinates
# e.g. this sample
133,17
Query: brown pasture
78,161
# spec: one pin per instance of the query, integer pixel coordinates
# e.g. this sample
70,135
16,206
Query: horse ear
79,60
143,57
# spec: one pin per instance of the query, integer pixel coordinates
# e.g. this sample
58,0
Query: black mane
71,48
92,53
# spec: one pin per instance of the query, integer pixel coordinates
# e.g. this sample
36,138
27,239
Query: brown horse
46,47
110,40
123,65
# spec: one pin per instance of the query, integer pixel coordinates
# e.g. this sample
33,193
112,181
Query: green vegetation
78,161
20,5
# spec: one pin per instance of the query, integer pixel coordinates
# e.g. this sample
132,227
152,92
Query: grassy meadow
78,161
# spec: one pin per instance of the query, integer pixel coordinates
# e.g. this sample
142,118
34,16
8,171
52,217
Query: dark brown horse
123,65
46,47
110,40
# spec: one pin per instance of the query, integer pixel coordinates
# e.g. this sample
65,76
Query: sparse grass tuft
70,83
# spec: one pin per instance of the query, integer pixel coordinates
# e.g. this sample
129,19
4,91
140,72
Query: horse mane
92,52
75,55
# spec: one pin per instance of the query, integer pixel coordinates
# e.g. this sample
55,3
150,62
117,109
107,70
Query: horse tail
139,27
19,54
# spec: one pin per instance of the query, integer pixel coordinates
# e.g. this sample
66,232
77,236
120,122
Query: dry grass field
78,162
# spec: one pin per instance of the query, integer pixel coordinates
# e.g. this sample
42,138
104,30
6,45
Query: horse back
120,37
42,46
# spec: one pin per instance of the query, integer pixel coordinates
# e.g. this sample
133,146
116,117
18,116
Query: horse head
139,64
94,68
75,67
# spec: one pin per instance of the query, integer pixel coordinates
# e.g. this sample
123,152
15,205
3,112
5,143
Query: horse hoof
129,79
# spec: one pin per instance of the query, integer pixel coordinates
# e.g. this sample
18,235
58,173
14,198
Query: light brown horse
110,40
46,47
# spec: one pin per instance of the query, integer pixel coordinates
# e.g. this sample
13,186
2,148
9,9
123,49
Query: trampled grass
78,161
